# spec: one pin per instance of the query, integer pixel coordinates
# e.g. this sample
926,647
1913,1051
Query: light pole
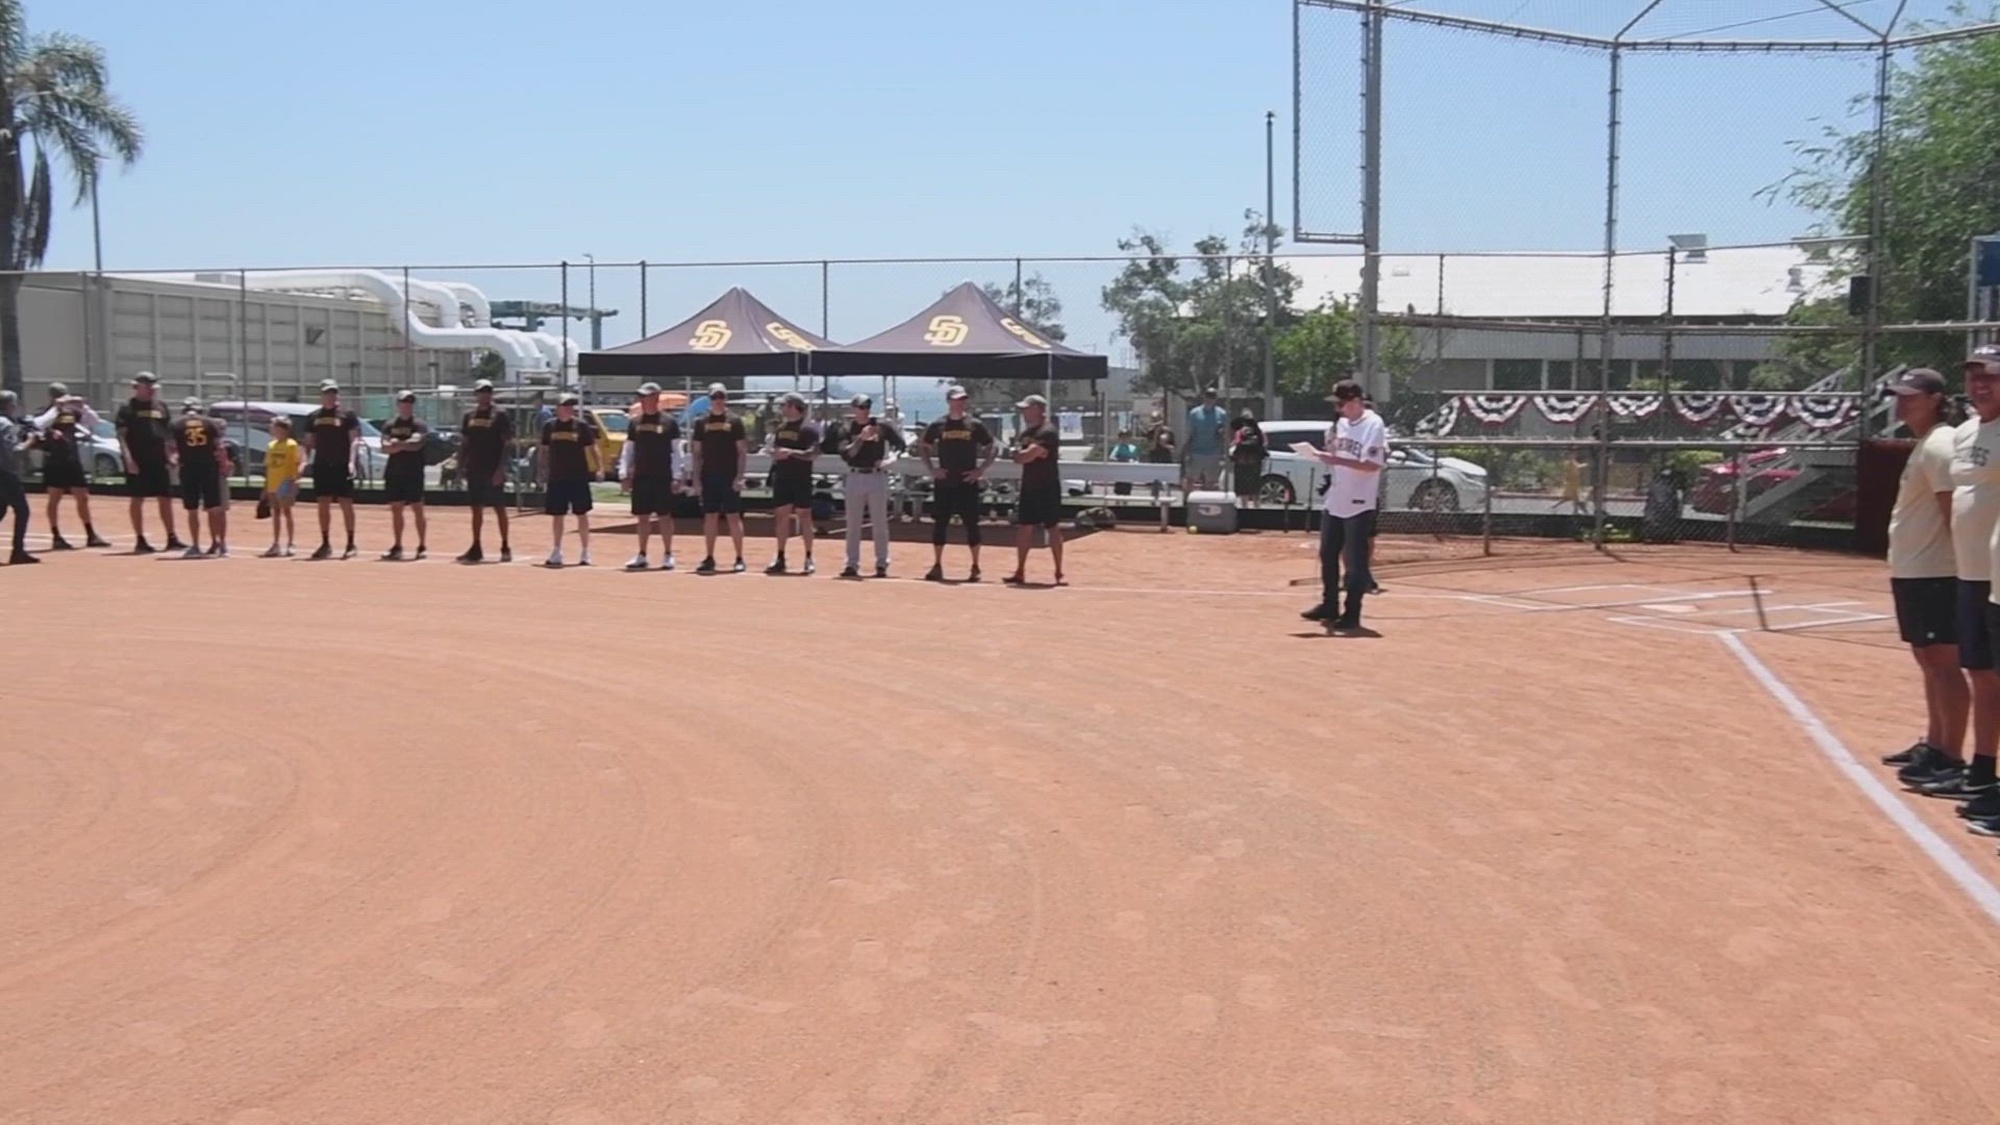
596,325
1270,252
96,228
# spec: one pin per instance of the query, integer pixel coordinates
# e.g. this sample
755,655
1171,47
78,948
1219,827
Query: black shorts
719,495
1926,610
652,496
1975,635
792,491
1040,506
404,487
63,474
201,487
481,492
332,482
150,480
567,498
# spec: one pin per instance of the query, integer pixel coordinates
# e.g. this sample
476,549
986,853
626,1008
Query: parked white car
1415,479
249,425
102,458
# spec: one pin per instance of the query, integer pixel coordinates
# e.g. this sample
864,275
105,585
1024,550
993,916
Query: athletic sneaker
93,539
421,552
583,558
350,552
174,543
215,550
737,567
777,566
393,554
810,568
668,562
881,570
506,554
221,551
325,552
58,543
1959,788
273,552
1928,762
1984,827
973,576
142,548
554,561
850,572
1905,757
707,567
192,553
472,555
21,558
1986,806
1318,613
934,574
638,563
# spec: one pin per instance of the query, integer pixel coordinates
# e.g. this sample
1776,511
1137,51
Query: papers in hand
1305,449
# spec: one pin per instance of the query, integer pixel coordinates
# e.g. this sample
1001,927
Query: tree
1032,301
490,366
54,107
1940,189
1199,322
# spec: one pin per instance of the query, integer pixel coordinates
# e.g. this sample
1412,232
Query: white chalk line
1948,860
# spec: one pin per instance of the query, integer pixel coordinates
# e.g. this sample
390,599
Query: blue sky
381,132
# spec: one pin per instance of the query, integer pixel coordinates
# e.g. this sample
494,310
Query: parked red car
1716,490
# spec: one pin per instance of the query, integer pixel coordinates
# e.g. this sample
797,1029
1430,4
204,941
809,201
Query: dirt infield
286,842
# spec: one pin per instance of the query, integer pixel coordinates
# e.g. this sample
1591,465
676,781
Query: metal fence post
1735,495
1486,520
643,333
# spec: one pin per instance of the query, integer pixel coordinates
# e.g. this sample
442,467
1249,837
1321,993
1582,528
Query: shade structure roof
737,335
962,335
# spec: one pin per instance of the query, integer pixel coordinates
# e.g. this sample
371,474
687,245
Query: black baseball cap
1984,360
146,377
1347,390
649,389
1918,381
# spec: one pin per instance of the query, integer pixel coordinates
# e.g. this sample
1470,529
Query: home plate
1671,607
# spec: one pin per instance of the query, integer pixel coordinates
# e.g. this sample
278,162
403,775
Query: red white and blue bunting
1824,412
1493,409
1758,410
1633,405
1440,422
1696,407
1564,409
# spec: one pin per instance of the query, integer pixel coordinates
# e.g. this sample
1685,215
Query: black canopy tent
962,335
736,336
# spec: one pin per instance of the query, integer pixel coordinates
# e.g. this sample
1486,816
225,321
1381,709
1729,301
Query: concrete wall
216,342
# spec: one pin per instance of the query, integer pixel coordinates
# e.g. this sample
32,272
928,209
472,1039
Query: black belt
860,469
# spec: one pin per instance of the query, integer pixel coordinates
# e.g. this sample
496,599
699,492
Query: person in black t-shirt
62,431
198,449
566,448
486,444
332,441
721,445
794,444
646,470
1037,451
403,477
1247,450
957,450
143,440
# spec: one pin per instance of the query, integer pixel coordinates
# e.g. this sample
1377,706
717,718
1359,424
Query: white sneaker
638,563
222,552
584,558
288,550
668,562
554,559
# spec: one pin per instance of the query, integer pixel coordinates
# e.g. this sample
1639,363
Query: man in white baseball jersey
1357,447
1923,573
1975,508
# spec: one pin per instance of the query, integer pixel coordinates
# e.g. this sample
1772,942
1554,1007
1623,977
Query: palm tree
54,103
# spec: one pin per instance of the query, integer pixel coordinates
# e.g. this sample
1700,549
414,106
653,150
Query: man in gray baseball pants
865,445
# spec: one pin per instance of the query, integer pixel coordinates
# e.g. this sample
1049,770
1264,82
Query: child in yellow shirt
281,484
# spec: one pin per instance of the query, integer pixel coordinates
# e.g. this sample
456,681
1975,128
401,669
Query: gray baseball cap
793,398
190,404
1032,400
483,385
1918,381
146,377
649,388
569,398
860,401
955,392
326,385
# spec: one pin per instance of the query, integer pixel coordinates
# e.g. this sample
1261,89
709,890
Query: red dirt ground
355,842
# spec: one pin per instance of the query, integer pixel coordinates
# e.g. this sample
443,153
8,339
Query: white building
1752,286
